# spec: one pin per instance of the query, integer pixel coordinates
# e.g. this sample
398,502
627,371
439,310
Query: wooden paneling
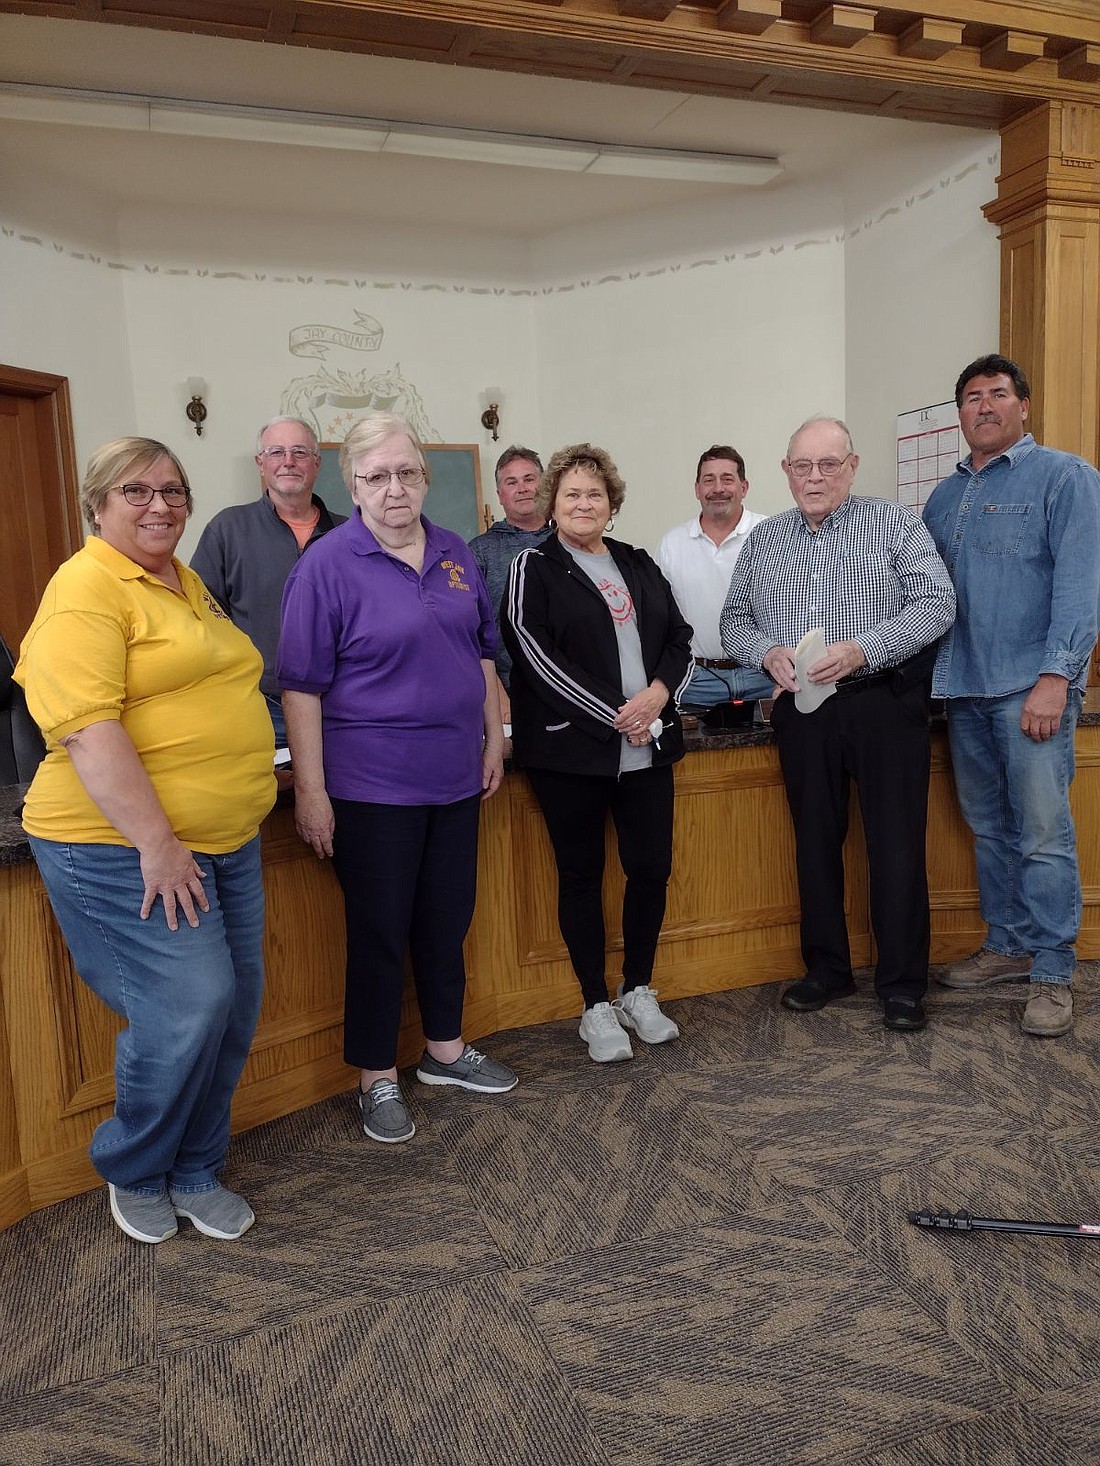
1001,56
732,921
927,40
1048,210
39,519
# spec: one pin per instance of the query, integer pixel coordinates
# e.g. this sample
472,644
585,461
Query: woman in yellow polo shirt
144,820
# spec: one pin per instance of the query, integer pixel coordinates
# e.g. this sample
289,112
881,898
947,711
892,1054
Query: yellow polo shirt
110,641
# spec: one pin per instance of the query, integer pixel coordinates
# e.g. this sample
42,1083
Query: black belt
717,664
857,684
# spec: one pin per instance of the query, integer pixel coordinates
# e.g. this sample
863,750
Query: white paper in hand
810,695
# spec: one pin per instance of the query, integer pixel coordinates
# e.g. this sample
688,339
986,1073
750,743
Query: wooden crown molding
978,62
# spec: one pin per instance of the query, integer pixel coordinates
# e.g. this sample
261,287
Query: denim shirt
494,552
1021,539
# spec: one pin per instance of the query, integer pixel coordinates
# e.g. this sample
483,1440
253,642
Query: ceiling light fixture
77,107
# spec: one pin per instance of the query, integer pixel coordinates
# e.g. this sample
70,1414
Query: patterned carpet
697,1259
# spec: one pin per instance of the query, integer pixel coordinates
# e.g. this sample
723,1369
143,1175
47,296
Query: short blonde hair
367,433
112,465
580,455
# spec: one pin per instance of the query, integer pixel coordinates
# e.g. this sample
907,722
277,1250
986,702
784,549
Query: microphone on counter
962,1221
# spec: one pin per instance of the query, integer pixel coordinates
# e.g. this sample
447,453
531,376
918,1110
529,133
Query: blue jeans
710,686
1014,795
190,999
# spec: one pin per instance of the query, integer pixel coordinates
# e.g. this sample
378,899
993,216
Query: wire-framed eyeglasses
408,478
278,454
826,467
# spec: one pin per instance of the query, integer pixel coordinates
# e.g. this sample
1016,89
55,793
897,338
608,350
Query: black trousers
409,876
575,808
879,739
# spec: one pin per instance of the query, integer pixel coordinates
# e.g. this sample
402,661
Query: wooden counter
732,921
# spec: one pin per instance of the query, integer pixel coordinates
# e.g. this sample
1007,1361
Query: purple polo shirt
396,661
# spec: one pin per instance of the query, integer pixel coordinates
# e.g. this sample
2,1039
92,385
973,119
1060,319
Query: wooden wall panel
732,921
1048,211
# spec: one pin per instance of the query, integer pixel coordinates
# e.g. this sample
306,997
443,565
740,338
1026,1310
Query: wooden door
39,515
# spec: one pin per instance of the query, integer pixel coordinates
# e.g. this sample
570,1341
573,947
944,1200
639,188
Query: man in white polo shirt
697,559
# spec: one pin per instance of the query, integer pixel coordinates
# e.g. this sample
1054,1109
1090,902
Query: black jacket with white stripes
566,682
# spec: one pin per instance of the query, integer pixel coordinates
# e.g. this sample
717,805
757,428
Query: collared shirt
395,658
243,557
112,643
1021,538
869,574
699,573
494,552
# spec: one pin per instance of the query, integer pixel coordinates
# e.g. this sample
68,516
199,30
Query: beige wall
731,321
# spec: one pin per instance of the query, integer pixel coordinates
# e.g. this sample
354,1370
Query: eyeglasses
279,455
408,478
826,467
175,495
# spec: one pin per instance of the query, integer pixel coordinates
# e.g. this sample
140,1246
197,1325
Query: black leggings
409,874
575,808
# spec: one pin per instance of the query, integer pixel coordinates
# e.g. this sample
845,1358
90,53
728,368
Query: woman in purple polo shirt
389,687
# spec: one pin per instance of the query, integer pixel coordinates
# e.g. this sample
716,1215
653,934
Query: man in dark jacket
246,552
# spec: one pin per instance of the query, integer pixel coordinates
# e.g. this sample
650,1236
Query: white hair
277,421
821,417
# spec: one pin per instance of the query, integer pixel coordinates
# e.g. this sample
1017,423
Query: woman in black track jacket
600,655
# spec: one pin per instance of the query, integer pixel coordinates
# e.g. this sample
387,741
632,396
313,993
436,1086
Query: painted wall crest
333,397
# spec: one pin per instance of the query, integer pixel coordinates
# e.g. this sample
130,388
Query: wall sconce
196,408
490,417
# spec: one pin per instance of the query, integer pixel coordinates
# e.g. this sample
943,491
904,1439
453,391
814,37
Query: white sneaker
603,1034
640,1010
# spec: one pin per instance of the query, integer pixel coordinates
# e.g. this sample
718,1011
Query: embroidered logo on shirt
212,605
454,575
619,601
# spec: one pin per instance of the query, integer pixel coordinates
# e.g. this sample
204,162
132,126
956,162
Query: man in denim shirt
1019,529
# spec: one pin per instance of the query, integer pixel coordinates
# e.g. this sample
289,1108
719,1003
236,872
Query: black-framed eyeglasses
279,455
408,478
175,495
826,467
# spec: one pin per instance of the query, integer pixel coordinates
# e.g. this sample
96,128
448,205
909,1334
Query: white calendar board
929,446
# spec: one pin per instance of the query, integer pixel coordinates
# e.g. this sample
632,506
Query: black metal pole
962,1221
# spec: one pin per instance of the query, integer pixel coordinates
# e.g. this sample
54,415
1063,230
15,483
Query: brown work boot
983,968
1049,1010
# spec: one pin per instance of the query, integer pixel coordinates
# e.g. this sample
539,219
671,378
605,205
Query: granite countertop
14,849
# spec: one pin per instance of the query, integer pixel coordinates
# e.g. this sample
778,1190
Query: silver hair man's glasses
175,495
826,467
280,455
408,478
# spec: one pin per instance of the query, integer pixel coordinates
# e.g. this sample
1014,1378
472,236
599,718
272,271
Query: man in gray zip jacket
246,552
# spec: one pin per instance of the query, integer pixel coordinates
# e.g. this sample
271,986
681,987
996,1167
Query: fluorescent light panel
321,130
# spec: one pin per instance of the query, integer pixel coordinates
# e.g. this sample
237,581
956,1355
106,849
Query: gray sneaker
385,1117
471,1070
1049,1011
983,968
144,1217
215,1213
640,1010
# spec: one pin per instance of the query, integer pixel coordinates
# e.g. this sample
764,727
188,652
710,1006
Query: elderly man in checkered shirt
866,573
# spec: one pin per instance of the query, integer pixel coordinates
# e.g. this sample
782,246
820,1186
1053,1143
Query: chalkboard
454,495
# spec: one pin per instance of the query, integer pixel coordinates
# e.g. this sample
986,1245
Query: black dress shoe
904,1013
810,993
